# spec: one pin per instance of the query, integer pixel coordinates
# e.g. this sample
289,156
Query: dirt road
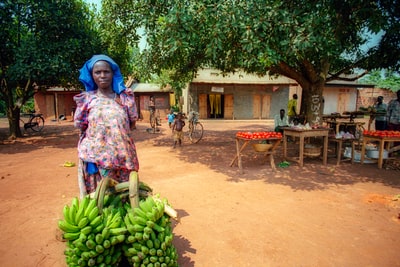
311,216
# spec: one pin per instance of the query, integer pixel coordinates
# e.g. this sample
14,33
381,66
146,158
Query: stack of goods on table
106,234
259,135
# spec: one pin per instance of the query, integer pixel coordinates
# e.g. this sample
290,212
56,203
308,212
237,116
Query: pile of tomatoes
382,133
258,135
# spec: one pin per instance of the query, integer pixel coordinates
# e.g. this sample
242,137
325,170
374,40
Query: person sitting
281,120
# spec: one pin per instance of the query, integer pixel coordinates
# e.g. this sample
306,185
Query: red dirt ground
345,215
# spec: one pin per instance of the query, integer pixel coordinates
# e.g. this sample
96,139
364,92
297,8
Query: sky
97,2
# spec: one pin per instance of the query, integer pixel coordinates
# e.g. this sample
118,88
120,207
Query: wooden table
302,133
241,143
339,145
381,141
335,124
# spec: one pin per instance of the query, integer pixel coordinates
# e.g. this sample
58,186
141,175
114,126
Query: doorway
216,106
261,106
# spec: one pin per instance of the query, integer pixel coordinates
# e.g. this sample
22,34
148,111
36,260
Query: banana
151,202
137,220
106,200
71,236
68,228
105,233
79,214
68,164
87,230
115,223
99,239
126,220
139,212
75,203
99,228
93,214
66,214
72,214
115,220
85,202
96,221
83,222
90,206
118,231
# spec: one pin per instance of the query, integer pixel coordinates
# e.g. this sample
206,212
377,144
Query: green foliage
29,106
312,42
383,79
44,43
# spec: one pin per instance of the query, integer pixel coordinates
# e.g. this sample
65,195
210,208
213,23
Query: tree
312,42
44,44
383,79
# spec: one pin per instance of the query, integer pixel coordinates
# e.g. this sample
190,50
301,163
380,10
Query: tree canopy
312,42
383,79
44,44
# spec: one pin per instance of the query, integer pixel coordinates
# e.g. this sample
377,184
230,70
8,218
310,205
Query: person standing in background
393,114
380,120
292,106
177,129
171,118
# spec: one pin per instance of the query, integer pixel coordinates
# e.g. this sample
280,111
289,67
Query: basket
312,151
261,147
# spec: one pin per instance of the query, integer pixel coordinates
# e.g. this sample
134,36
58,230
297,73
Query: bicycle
196,129
35,122
154,119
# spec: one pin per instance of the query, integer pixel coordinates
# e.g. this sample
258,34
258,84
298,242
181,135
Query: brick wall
367,97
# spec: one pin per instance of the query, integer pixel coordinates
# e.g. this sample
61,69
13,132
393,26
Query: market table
303,133
335,124
381,140
241,143
339,145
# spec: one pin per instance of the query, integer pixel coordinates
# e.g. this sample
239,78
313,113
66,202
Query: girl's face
102,75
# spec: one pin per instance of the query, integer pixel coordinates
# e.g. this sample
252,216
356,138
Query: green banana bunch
149,239
92,237
101,230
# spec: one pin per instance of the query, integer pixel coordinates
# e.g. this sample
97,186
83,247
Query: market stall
339,145
263,142
303,133
382,138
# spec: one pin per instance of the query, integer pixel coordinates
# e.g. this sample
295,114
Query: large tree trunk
13,123
312,104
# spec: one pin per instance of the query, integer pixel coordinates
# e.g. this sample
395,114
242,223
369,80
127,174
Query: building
164,99
56,103
245,96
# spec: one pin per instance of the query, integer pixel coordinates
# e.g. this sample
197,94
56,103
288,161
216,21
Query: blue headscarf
86,74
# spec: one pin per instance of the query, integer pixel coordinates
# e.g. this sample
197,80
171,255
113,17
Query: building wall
339,99
162,101
54,104
244,96
368,96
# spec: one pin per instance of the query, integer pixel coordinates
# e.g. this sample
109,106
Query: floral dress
106,146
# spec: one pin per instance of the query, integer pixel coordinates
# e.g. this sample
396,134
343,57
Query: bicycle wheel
196,133
37,123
